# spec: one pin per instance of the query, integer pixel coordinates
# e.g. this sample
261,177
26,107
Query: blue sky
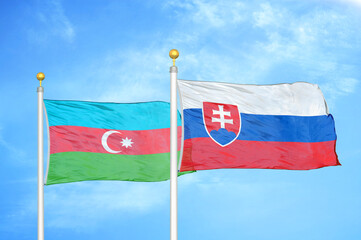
118,51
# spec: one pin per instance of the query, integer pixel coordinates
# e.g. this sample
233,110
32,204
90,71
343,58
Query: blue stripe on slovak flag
277,128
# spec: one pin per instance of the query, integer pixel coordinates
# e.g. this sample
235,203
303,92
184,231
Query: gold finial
40,76
173,54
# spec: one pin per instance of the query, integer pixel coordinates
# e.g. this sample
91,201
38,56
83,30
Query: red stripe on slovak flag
84,139
204,153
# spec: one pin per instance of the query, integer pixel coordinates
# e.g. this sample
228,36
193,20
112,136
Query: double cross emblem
222,122
221,118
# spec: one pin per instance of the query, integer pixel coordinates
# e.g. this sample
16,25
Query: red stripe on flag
204,153
84,139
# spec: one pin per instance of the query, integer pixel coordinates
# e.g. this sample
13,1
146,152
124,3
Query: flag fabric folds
108,141
282,126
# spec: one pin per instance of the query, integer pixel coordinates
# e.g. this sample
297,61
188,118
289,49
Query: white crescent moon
105,139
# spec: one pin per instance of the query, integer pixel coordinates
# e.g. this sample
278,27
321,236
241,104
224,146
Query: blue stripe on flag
121,116
277,128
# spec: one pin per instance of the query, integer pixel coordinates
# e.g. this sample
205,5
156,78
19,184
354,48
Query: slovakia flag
282,126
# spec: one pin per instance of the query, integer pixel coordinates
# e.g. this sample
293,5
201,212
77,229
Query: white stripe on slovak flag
299,99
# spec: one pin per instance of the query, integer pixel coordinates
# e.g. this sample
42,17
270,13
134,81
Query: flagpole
40,76
173,148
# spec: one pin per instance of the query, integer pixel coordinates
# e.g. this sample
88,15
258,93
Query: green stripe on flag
68,167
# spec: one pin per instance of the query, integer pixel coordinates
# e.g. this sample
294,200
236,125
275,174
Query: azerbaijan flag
108,141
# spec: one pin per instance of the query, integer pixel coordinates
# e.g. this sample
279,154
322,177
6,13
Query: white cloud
124,75
214,186
335,88
13,152
83,205
267,16
348,85
135,75
53,22
353,2
210,13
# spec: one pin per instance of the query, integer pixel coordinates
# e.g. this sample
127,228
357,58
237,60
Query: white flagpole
173,148
40,76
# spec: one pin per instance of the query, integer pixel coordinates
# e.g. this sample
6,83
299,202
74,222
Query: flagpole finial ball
40,76
173,53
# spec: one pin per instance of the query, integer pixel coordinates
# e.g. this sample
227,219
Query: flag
108,141
282,126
